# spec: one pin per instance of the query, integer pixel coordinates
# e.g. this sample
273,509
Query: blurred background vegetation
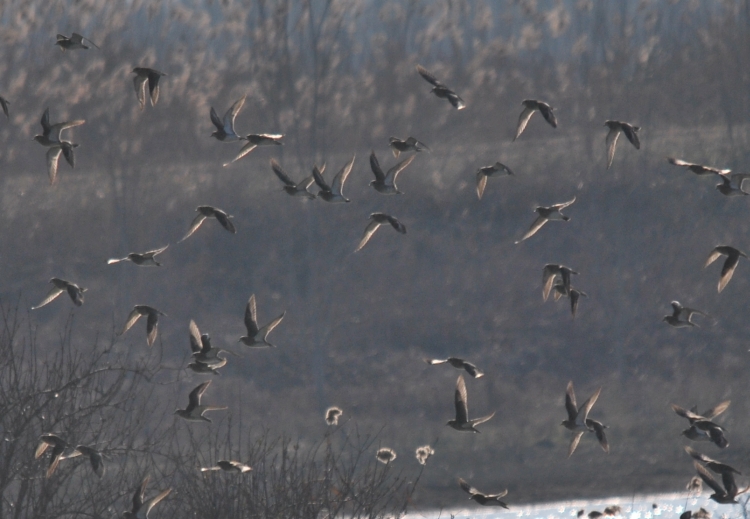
338,78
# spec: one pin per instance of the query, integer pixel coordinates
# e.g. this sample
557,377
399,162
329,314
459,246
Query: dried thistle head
385,455
424,452
332,415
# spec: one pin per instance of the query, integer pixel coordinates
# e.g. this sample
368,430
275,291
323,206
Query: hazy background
338,78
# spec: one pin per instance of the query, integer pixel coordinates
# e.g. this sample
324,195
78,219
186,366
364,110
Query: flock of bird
556,279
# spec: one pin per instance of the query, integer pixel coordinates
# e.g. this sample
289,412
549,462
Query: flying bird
440,89
457,363
682,316
615,129
485,172
74,42
290,186
140,508
693,416
225,127
724,494
529,107
483,499
376,220
257,337
58,448
143,76
546,214
549,275
207,211
698,169
58,287
334,192
253,141
152,321
142,259
385,183
462,422
410,144
194,411
229,466
202,351
577,417
730,264
702,428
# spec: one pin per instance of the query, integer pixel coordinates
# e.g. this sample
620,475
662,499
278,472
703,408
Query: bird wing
481,183
612,136
318,176
153,86
473,370
369,231
523,120
461,401
215,119
467,488
151,327
396,224
224,220
276,167
46,126
76,35
76,294
717,409
708,478
194,398
51,296
570,402
599,431
630,133
678,162
139,493
456,100
432,362
727,271
390,177
251,319
197,221
246,149
375,166
574,442
53,156
548,279
338,181
132,318
564,204
712,257
232,113
574,296
548,114
535,226
263,332
148,505
588,404
4,104
195,338
428,77
68,153
477,421
154,252
139,83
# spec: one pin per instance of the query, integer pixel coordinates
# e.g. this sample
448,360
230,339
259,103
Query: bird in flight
207,211
549,275
229,466
576,421
257,337
462,422
483,499
334,192
546,214
152,321
253,141
144,76
141,508
615,129
485,172
385,183
290,187
142,259
58,287
682,316
457,363
74,42
194,411
698,169
376,220
730,264
440,89
529,107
